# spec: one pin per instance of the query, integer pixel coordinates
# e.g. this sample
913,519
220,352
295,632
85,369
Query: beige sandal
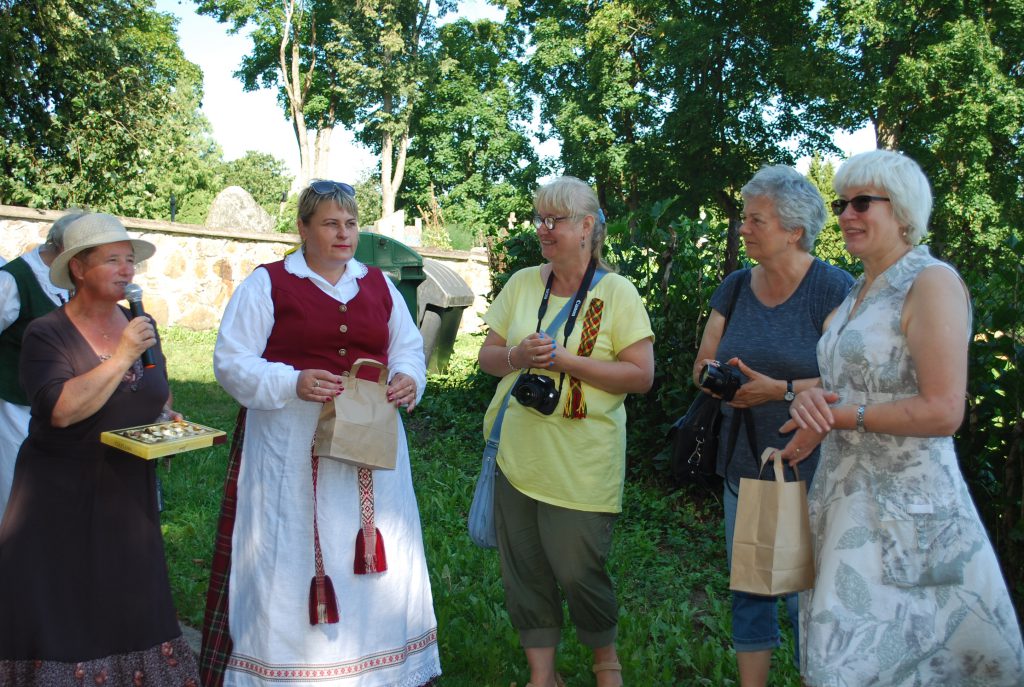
607,665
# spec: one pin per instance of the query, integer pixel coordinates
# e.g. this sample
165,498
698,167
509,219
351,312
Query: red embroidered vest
312,330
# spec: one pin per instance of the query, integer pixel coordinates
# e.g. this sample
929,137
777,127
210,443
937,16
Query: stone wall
195,270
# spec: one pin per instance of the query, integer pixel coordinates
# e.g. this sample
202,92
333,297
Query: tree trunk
732,237
387,191
297,86
323,152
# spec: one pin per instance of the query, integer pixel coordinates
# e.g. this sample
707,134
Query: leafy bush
989,444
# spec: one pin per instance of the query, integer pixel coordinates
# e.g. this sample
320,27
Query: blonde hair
310,200
902,181
574,198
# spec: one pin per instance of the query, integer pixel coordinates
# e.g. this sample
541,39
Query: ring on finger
316,383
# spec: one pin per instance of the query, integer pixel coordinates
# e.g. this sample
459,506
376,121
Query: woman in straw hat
84,594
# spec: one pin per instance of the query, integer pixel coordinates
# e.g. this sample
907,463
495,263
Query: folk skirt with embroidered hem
387,632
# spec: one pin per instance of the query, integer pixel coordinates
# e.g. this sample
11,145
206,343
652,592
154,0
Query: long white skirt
387,633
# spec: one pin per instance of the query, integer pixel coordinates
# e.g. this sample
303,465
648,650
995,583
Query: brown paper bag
771,546
359,426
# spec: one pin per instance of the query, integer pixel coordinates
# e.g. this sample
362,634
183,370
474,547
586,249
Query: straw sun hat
89,231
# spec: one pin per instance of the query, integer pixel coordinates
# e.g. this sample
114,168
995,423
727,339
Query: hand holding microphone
133,292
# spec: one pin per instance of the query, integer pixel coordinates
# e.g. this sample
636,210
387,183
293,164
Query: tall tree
96,96
654,99
472,149
384,51
944,83
290,39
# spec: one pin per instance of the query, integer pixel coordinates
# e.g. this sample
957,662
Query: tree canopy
99,102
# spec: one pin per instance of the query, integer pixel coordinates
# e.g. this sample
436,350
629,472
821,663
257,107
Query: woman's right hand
696,376
318,386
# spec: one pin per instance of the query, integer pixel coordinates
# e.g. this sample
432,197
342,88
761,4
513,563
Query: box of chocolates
163,438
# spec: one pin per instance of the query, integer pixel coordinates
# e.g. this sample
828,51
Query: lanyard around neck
574,311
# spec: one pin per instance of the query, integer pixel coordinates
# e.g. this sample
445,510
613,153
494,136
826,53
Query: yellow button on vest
342,352
343,308
343,328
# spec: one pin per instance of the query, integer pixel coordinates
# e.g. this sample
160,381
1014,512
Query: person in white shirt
300,585
26,293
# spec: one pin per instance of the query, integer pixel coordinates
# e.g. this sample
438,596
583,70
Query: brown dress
84,593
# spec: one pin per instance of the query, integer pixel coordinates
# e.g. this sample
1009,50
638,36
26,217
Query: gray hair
310,200
55,237
900,179
574,198
797,202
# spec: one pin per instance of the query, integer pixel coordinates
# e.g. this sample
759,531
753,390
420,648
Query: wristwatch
789,395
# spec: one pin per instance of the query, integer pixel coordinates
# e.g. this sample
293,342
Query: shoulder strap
495,435
740,282
744,417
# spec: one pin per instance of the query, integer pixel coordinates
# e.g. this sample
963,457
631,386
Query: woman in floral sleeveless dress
908,588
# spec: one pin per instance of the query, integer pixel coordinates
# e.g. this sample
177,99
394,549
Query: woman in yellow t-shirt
562,453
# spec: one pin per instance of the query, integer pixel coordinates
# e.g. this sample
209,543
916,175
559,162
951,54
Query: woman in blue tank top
768,340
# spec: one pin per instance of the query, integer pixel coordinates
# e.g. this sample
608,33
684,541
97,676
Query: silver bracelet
860,419
508,359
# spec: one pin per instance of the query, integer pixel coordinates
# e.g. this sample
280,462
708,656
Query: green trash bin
395,259
443,296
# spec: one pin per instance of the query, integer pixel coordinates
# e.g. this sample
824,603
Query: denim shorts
755,618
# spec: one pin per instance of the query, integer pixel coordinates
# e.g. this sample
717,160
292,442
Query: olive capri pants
544,548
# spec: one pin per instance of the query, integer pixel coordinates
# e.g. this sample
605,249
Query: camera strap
590,279
574,305
571,314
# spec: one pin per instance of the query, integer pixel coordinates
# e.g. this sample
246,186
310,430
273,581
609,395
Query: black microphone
133,292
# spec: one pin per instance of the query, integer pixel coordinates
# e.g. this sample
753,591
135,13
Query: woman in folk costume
558,489
294,597
908,590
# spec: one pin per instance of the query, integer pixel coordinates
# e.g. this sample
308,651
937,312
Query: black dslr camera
537,392
720,379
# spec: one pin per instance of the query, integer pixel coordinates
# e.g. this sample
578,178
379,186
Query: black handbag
694,441
693,438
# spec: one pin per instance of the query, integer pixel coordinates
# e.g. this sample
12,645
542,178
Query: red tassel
323,603
575,404
375,563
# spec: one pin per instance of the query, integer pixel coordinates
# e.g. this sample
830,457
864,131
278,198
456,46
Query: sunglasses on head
859,203
325,188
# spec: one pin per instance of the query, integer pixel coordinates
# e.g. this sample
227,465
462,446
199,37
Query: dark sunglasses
859,203
325,188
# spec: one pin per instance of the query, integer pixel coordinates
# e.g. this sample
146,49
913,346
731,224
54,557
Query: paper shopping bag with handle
359,426
771,547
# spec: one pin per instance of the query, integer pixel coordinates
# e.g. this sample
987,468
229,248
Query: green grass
668,559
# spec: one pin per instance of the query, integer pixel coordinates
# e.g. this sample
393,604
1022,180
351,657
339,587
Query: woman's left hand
758,388
801,445
402,392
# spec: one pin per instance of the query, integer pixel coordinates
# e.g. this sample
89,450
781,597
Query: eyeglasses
324,187
859,203
548,222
